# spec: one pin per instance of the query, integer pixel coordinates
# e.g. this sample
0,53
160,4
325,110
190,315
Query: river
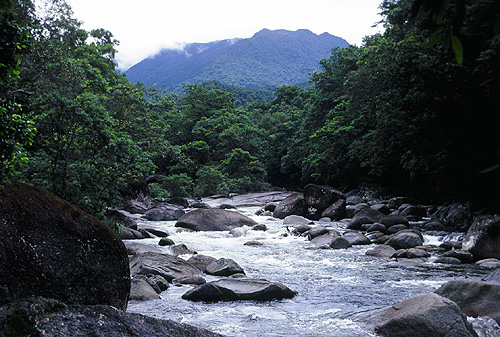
332,285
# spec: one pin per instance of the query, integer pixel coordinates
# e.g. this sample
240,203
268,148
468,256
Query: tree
16,128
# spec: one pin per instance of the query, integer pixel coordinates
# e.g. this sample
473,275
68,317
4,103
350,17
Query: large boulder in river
366,216
427,315
475,298
50,248
294,204
321,196
214,219
238,290
46,317
335,211
483,238
164,212
456,216
167,266
405,240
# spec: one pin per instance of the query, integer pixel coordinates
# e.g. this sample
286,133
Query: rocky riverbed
365,256
317,263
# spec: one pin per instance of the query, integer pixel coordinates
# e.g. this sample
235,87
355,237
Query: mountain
267,59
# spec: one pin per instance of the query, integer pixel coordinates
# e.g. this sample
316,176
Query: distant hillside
267,59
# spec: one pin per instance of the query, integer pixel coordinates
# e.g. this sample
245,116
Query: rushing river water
333,285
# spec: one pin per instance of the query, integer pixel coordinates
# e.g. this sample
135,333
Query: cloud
143,28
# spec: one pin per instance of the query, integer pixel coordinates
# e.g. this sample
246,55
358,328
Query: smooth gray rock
428,315
167,266
475,298
214,220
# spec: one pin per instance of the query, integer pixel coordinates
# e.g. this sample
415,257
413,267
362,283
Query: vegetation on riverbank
412,108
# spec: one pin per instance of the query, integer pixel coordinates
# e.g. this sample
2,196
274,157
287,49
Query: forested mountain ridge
267,59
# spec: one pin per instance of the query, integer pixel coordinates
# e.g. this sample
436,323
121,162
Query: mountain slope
268,59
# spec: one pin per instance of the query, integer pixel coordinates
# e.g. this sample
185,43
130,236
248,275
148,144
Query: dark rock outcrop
46,317
405,240
483,238
51,248
321,196
427,315
335,211
366,216
294,204
214,220
224,267
456,216
239,289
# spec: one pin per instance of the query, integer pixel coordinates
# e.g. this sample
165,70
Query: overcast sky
144,27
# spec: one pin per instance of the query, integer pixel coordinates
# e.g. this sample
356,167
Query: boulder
167,266
179,201
164,213
123,217
224,267
134,247
427,315
447,260
335,211
325,239
135,206
462,255
382,208
127,233
214,220
457,216
483,237
394,219
296,220
140,290
475,298
489,263
319,230
365,216
51,248
298,229
201,261
239,289
294,204
166,242
271,206
404,240
157,282
181,249
321,196
45,317
340,243
381,251
356,238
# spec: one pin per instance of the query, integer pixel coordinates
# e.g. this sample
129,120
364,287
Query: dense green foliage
404,110
266,60
16,130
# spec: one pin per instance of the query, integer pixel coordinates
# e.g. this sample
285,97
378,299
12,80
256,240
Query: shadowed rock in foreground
46,317
51,248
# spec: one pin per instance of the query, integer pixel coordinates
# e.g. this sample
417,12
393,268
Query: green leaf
457,49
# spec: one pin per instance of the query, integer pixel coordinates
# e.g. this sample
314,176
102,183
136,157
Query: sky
145,27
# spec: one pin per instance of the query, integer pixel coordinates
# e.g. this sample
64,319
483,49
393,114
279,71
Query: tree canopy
413,109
